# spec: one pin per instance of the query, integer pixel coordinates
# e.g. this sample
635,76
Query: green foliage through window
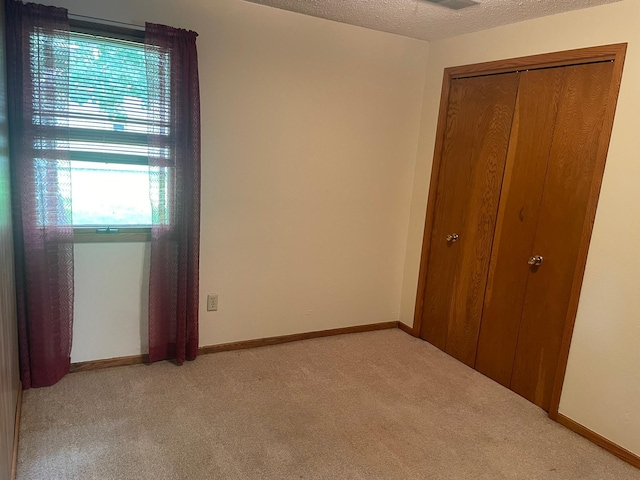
108,75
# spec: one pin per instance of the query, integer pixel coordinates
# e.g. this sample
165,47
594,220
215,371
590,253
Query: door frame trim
614,53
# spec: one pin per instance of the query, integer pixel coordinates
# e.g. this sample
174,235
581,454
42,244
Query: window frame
110,233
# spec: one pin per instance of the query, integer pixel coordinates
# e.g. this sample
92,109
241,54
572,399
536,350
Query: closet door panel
570,174
479,117
453,185
489,149
525,171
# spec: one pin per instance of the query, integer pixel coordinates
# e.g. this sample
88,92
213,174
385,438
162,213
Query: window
106,110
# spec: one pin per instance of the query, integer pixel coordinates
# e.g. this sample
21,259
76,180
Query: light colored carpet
379,405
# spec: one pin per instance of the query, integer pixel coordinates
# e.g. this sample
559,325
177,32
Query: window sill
124,234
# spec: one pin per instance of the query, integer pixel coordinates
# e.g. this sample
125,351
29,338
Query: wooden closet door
479,117
525,172
561,225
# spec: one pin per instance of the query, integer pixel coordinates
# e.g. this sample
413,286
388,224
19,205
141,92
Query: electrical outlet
212,302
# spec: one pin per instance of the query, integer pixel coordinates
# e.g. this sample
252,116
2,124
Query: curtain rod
106,22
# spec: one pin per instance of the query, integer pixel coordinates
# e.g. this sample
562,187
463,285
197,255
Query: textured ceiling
427,21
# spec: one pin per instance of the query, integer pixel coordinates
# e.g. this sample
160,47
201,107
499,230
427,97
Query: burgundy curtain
38,84
174,168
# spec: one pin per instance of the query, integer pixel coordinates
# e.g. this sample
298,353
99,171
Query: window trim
104,30
126,234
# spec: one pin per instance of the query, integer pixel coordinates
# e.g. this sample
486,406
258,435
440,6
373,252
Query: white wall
111,298
310,131
602,385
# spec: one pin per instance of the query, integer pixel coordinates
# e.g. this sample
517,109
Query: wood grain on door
570,174
525,172
479,117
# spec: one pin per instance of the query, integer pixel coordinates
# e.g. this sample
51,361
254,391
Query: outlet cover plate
212,302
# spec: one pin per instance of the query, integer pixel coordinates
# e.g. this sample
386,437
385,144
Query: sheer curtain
38,55
38,85
174,168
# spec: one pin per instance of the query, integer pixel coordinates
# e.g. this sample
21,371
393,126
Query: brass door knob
452,237
536,260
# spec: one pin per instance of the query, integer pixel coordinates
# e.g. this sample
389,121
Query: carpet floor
379,405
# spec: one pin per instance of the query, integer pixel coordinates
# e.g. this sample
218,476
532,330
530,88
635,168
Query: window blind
107,111
92,107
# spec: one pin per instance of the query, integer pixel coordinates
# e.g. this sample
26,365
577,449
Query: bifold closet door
567,189
548,180
524,177
479,116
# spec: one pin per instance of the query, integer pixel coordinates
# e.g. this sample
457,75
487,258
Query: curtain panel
38,56
37,48
174,168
